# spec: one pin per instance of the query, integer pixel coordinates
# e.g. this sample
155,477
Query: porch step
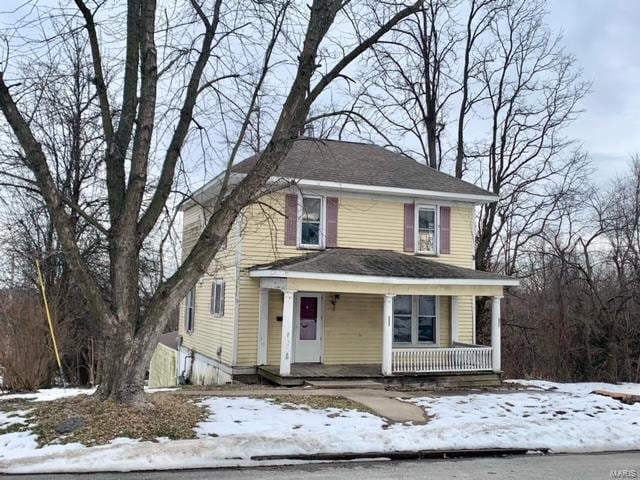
337,384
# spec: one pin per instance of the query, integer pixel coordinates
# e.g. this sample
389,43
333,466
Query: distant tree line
577,314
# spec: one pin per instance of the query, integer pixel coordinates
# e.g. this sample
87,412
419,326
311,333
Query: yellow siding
370,223
162,369
275,327
444,321
353,332
465,313
212,332
461,238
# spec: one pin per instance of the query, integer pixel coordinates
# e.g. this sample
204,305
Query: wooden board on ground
627,398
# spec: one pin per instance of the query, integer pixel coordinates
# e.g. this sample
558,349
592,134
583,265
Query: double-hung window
311,222
190,310
427,241
217,298
414,319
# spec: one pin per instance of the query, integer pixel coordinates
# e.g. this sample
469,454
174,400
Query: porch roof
376,266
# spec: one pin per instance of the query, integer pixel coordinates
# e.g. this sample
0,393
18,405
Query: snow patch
583,388
562,417
48,394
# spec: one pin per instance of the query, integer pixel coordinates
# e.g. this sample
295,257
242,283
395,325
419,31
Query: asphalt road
580,467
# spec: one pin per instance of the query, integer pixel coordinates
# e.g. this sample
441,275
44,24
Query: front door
307,328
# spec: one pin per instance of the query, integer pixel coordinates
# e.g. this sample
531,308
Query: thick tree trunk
123,367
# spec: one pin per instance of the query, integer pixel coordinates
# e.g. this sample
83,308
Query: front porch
353,337
344,325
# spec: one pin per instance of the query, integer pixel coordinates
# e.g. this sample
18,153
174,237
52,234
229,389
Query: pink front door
308,329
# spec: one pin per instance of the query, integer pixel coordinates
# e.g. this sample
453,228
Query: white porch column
286,347
387,334
455,320
263,325
495,333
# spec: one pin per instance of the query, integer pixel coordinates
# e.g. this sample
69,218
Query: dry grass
319,402
171,416
166,415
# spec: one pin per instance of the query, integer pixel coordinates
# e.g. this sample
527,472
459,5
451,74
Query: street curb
404,454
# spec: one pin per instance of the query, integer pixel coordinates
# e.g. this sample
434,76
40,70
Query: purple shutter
291,220
445,229
409,227
332,222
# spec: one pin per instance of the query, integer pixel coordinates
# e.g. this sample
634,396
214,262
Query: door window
308,318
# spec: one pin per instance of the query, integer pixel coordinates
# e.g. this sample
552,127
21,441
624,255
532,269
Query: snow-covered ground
583,388
47,394
562,417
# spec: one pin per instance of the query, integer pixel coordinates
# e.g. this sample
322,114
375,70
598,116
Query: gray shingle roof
170,340
362,164
382,263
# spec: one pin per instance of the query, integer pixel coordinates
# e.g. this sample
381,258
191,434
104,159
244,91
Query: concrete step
344,384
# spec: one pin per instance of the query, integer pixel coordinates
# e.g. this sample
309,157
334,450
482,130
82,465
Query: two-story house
361,268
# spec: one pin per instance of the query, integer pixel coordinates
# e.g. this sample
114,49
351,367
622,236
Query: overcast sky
604,37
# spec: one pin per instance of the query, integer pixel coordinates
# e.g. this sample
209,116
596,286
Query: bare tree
67,123
136,200
412,81
480,15
575,317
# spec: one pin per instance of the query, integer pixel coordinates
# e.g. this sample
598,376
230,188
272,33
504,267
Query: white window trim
212,308
190,305
416,230
321,234
414,326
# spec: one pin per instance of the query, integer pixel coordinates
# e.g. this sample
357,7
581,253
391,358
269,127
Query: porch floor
301,372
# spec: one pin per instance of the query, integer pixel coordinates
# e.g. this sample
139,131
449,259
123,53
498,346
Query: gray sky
603,35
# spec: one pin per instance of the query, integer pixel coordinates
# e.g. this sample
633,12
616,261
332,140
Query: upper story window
311,222
426,231
190,311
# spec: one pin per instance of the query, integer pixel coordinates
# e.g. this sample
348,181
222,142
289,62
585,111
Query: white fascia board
341,277
405,192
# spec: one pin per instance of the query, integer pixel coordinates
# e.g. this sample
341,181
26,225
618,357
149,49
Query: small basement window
311,222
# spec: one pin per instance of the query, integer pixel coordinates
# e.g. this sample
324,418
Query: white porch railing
428,360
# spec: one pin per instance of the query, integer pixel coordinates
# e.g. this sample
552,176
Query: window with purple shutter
445,230
332,222
409,227
291,219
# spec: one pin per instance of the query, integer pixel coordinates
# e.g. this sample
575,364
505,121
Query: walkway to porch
302,372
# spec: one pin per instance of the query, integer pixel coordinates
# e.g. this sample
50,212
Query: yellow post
46,308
